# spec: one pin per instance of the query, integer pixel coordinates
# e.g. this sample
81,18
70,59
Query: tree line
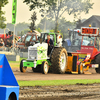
52,14
45,25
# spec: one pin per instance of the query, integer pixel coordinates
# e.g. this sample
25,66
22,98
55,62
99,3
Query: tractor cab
73,40
89,40
88,56
73,34
56,37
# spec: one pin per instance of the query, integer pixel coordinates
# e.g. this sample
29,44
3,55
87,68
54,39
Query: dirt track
67,92
29,75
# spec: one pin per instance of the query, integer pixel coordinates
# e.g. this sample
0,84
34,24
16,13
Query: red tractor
89,54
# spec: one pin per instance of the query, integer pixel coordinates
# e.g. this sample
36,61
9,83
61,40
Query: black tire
80,69
44,67
97,61
22,69
37,69
55,60
52,58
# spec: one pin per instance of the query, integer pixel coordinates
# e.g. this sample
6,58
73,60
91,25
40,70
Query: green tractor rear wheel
59,60
22,69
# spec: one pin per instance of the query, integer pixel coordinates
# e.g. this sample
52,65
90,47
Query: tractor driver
50,44
91,43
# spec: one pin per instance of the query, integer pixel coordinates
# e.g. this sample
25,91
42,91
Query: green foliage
2,18
33,19
3,3
39,30
75,7
33,4
63,26
56,8
46,24
52,31
23,32
18,28
22,27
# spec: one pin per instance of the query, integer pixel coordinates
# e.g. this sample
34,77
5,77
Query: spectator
2,45
8,45
1,42
91,43
15,44
11,43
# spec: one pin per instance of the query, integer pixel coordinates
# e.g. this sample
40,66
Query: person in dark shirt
8,45
50,44
2,45
1,42
91,43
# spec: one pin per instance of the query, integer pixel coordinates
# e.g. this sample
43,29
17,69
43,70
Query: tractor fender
95,55
52,50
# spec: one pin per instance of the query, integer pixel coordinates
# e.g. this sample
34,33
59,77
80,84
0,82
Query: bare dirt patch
69,92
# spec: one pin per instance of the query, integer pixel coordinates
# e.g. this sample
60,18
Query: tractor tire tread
55,60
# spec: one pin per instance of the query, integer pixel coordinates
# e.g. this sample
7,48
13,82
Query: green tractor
38,59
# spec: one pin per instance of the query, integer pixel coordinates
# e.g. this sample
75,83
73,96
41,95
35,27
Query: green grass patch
15,63
57,82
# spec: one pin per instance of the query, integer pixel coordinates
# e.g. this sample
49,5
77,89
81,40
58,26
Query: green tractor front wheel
44,67
22,68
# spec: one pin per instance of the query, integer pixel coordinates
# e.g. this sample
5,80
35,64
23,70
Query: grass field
57,82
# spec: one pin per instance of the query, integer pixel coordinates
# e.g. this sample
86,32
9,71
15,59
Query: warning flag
14,10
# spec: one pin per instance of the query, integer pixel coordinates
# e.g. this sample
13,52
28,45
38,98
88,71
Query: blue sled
9,88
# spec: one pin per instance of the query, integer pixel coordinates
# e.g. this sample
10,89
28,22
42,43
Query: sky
23,13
